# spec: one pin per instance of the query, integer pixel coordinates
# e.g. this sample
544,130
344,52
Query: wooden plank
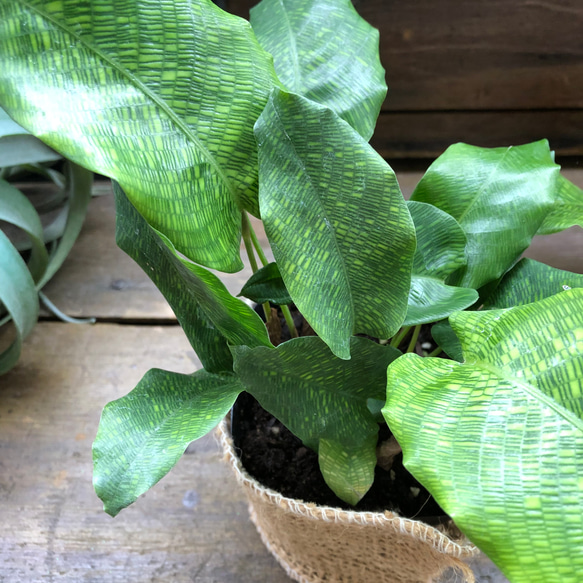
428,134
488,72
485,54
99,280
192,526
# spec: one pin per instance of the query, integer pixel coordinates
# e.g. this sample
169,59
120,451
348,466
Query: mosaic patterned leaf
146,93
325,51
498,440
336,220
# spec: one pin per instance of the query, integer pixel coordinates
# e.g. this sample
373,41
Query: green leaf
567,209
16,293
499,196
446,338
16,209
349,471
210,317
238,323
336,220
498,440
78,190
529,281
17,146
266,285
8,127
325,51
19,297
150,106
440,251
142,435
431,300
524,339
318,396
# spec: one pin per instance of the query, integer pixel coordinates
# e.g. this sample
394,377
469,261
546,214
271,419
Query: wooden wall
488,72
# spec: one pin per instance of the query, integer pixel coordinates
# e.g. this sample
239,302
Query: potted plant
37,229
202,119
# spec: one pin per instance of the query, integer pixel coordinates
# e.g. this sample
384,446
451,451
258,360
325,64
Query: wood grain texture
516,64
480,55
99,280
192,526
428,134
484,54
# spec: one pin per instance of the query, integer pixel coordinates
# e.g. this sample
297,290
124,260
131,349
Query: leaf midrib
485,185
531,390
293,49
161,103
318,198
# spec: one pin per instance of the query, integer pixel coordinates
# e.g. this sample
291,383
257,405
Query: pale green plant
24,233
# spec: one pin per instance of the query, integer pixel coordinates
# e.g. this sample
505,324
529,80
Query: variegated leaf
320,397
142,435
440,252
499,196
162,96
326,52
336,220
498,440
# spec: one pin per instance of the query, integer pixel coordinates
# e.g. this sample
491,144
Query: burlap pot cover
319,543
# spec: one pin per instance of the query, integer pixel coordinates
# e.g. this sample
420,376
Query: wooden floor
193,525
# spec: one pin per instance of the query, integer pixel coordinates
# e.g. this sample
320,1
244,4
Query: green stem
436,352
267,311
414,338
289,321
257,246
248,236
248,241
5,172
398,338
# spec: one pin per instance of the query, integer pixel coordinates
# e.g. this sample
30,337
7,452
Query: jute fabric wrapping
318,543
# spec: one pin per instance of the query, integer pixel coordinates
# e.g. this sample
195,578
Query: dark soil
279,460
278,328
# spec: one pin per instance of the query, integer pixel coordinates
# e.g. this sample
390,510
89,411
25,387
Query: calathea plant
203,119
